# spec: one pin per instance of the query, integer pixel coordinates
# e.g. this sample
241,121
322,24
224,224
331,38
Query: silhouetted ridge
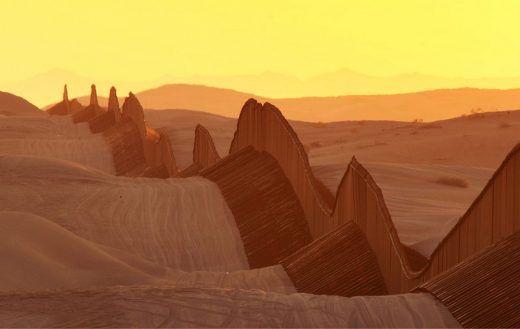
339,263
483,291
267,212
15,105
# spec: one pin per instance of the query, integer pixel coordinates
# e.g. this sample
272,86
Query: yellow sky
140,40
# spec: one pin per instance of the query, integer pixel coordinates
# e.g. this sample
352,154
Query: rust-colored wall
267,212
91,111
495,214
156,147
136,148
127,149
483,291
339,263
204,151
265,128
101,122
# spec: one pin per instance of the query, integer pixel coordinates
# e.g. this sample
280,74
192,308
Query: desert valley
152,210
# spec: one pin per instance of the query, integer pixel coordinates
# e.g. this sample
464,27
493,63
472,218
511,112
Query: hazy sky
137,40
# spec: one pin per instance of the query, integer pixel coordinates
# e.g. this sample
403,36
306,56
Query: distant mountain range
427,105
342,82
41,89
44,89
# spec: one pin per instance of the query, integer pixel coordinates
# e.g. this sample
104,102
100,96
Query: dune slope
54,137
37,253
168,307
184,224
14,105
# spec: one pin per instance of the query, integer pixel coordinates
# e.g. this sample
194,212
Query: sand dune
480,140
181,223
167,307
186,300
266,279
37,253
54,137
14,105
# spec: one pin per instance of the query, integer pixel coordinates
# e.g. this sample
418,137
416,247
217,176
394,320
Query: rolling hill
14,105
426,105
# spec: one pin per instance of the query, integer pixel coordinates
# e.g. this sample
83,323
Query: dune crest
14,105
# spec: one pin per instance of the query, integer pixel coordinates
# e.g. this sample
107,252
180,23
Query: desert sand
14,105
195,307
153,218
38,254
54,137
